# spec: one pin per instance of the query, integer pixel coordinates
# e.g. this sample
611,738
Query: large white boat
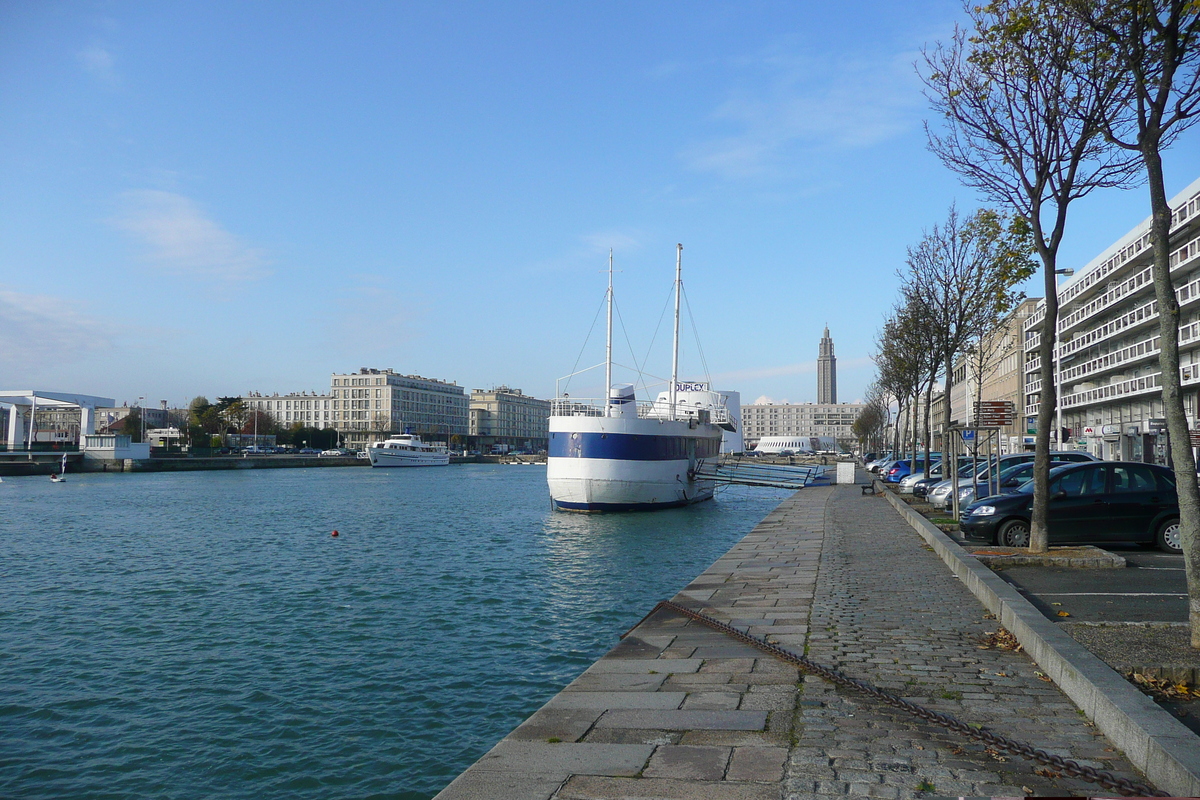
615,454
407,450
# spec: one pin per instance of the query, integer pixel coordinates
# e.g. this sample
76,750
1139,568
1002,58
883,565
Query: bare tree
1023,123
960,278
1155,46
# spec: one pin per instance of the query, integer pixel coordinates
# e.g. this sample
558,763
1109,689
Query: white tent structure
26,402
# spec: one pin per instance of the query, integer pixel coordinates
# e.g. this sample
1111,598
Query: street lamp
142,418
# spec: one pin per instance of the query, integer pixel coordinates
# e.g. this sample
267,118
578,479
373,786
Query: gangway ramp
747,472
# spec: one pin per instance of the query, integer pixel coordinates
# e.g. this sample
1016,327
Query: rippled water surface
203,635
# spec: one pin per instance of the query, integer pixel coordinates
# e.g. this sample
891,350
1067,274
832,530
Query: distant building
309,409
372,404
826,371
800,420
507,417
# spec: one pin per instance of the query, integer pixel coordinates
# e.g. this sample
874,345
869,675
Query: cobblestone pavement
680,711
888,611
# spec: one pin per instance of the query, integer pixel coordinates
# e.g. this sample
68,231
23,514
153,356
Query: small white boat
407,450
62,472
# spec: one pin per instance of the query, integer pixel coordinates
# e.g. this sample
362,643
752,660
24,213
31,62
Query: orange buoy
335,533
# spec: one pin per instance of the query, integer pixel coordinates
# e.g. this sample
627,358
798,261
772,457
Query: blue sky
213,198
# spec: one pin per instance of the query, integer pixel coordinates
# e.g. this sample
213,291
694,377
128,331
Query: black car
1090,503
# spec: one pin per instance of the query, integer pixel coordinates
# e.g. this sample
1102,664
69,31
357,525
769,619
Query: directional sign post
994,413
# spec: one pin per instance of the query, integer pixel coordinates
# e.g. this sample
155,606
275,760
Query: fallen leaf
1056,604
1064,614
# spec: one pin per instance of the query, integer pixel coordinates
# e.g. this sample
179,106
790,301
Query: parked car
309,451
254,450
939,495
1092,503
900,469
1010,481
337,451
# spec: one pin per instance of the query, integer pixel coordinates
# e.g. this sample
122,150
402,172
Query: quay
47,462
678,710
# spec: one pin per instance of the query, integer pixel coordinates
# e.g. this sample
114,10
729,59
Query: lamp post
1058,431
142,419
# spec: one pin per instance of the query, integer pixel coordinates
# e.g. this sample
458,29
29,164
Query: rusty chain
1014,746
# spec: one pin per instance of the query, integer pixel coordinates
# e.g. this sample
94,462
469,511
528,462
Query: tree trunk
928,426
1172,390
1048,399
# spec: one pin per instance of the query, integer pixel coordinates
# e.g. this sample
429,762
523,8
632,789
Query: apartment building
504,416
800,419
1106,367
1001,377
373,403
310,409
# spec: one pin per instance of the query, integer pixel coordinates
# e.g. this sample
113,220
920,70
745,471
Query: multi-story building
826,371
800,419
508,418
1001,376
309,409
374,403
1110,395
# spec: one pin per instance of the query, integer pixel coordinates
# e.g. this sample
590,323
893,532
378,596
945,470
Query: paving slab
845,577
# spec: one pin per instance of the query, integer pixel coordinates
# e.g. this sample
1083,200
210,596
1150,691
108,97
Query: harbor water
182,635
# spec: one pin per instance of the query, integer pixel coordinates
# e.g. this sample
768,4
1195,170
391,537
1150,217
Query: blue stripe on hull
598,507
629,446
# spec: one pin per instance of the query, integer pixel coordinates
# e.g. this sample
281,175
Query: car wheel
1168,537
1014,533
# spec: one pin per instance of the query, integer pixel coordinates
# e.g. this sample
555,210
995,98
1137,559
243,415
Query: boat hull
384,457
600,464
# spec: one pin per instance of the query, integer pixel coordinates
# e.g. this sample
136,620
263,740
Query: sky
221,197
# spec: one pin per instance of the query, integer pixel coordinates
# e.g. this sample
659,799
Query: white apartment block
373,403
799,419
1108,344
507,416
310,409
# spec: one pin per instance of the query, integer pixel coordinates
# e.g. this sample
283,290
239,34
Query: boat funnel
621,402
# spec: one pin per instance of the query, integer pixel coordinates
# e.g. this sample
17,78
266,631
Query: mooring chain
1066,765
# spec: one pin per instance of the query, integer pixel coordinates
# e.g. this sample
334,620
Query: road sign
994,413
1195,438
968,435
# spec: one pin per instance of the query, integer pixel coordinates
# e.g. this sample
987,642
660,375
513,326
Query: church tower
826,371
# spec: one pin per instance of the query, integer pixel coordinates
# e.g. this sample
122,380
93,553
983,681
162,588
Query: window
1133,478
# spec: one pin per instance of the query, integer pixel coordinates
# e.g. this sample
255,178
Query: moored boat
615,454
407,450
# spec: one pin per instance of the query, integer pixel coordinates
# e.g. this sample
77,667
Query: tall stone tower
826,371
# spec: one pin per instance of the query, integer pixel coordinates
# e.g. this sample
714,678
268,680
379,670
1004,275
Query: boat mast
675,350
608,341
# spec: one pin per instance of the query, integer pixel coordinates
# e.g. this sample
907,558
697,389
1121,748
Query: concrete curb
1166,752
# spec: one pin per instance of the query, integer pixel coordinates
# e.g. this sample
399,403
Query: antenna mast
675,350
608,341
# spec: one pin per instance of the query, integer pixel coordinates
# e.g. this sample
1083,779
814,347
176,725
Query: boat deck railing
590,407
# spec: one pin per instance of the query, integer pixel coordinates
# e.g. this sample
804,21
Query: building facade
507,418
372,404
826,371
1110,395
309,409
800,420
999,377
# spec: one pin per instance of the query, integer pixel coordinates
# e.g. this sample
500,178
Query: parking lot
1152,588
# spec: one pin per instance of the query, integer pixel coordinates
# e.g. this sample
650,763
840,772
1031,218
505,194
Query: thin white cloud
395,318
100,64
180,239
589,254
804,368
850,103
600,242
39,330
